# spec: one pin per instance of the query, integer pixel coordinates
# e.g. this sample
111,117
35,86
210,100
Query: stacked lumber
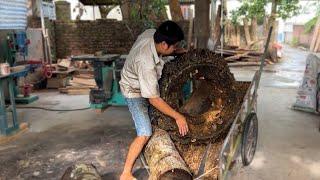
61,73
242,56
79,85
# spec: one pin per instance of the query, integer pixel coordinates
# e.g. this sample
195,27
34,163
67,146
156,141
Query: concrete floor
288,146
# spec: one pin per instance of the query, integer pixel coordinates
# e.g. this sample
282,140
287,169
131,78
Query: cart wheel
249,139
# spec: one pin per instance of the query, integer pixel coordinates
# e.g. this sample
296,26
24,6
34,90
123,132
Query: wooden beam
315,36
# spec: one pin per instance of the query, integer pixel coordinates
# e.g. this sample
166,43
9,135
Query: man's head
167,37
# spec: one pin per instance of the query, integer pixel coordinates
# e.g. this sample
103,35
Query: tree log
163,158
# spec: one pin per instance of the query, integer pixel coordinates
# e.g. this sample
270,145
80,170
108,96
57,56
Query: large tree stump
163,158
212,104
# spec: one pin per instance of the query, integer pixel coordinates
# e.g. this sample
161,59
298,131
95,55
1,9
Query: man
139,85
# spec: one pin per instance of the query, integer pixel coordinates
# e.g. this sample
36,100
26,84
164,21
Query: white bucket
4,69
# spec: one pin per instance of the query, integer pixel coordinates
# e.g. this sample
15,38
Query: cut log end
176,174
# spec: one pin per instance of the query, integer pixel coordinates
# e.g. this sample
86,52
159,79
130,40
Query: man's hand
180,51
182,125
162,106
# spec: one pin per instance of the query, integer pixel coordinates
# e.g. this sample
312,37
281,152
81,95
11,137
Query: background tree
175,10
254,11
148,12
250,11
283,9
104,11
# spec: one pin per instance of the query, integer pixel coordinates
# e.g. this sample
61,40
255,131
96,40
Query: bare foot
127,176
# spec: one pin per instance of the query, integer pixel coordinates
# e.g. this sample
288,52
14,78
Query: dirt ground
47,154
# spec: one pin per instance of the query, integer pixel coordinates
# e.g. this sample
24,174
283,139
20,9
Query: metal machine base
26,100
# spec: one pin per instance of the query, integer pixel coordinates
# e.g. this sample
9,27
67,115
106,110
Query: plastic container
4,69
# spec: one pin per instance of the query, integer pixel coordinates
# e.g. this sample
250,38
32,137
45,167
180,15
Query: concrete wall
87,37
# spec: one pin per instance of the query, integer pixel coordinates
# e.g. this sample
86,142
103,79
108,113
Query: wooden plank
237,56
6,139
240,64
315,36
84,76
75,91
316,48
82,81
56,82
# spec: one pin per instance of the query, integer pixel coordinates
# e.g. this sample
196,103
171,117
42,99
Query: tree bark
272,51
190,30
233,35
216,34
265,26
104,11
202,23
238,36
272,20
246,31
254,29
315,36
175,10
163,158
125,10
213,14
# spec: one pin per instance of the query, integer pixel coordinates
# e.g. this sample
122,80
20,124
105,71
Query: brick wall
303,38
87,37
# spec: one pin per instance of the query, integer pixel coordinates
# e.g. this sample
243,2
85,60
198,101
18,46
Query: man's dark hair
169,32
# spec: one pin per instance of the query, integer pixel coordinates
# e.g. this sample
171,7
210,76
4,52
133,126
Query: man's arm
162,106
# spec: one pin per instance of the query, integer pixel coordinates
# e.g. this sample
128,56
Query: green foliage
249,9
147,13
288,8
308,27
294,42
257,8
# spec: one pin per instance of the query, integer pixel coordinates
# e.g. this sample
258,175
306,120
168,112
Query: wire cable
49,109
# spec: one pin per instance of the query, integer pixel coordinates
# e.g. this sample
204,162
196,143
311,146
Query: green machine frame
4,121
106,75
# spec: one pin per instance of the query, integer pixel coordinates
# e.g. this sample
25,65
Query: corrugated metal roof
116,2
13,14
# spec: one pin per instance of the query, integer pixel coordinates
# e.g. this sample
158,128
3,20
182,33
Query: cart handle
263,58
